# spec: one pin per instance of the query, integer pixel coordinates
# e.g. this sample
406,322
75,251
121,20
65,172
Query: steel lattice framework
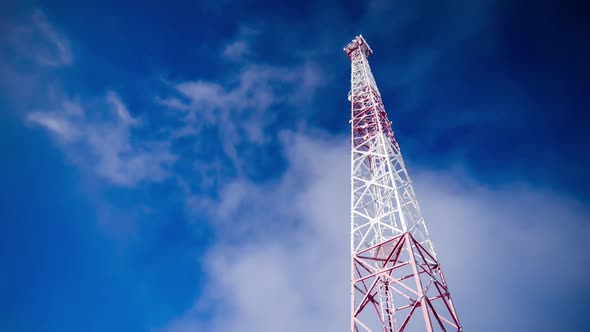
397,283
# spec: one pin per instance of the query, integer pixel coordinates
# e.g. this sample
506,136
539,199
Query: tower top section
358,42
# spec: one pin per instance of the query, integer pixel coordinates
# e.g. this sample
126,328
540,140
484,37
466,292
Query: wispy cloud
105,141
120,110
241,108
55,124
55,51
239,48
236,50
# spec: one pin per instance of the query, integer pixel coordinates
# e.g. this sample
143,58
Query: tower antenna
397,283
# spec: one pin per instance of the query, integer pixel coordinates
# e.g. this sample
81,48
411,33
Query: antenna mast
397,283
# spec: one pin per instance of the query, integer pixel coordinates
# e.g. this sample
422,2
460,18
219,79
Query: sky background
181,167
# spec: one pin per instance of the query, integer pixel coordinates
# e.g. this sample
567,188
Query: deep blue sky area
123,125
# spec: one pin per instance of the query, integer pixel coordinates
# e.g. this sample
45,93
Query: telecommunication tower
397,283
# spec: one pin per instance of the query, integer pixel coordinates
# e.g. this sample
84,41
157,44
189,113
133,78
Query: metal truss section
395,272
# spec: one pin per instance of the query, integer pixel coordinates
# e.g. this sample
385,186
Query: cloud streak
241,109
105,141
236,50
54,50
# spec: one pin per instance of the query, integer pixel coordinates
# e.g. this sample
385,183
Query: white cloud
203,94
32,48
52,49
501,249
104,141
241,108
120,109
172,102
55,124
240,47
236,50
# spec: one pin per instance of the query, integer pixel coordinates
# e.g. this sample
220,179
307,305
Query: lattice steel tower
397,283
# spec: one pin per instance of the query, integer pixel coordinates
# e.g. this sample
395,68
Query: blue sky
184,166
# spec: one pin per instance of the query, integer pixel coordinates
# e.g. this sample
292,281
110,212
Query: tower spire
396,282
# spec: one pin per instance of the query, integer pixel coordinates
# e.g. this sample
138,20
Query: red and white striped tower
397,283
